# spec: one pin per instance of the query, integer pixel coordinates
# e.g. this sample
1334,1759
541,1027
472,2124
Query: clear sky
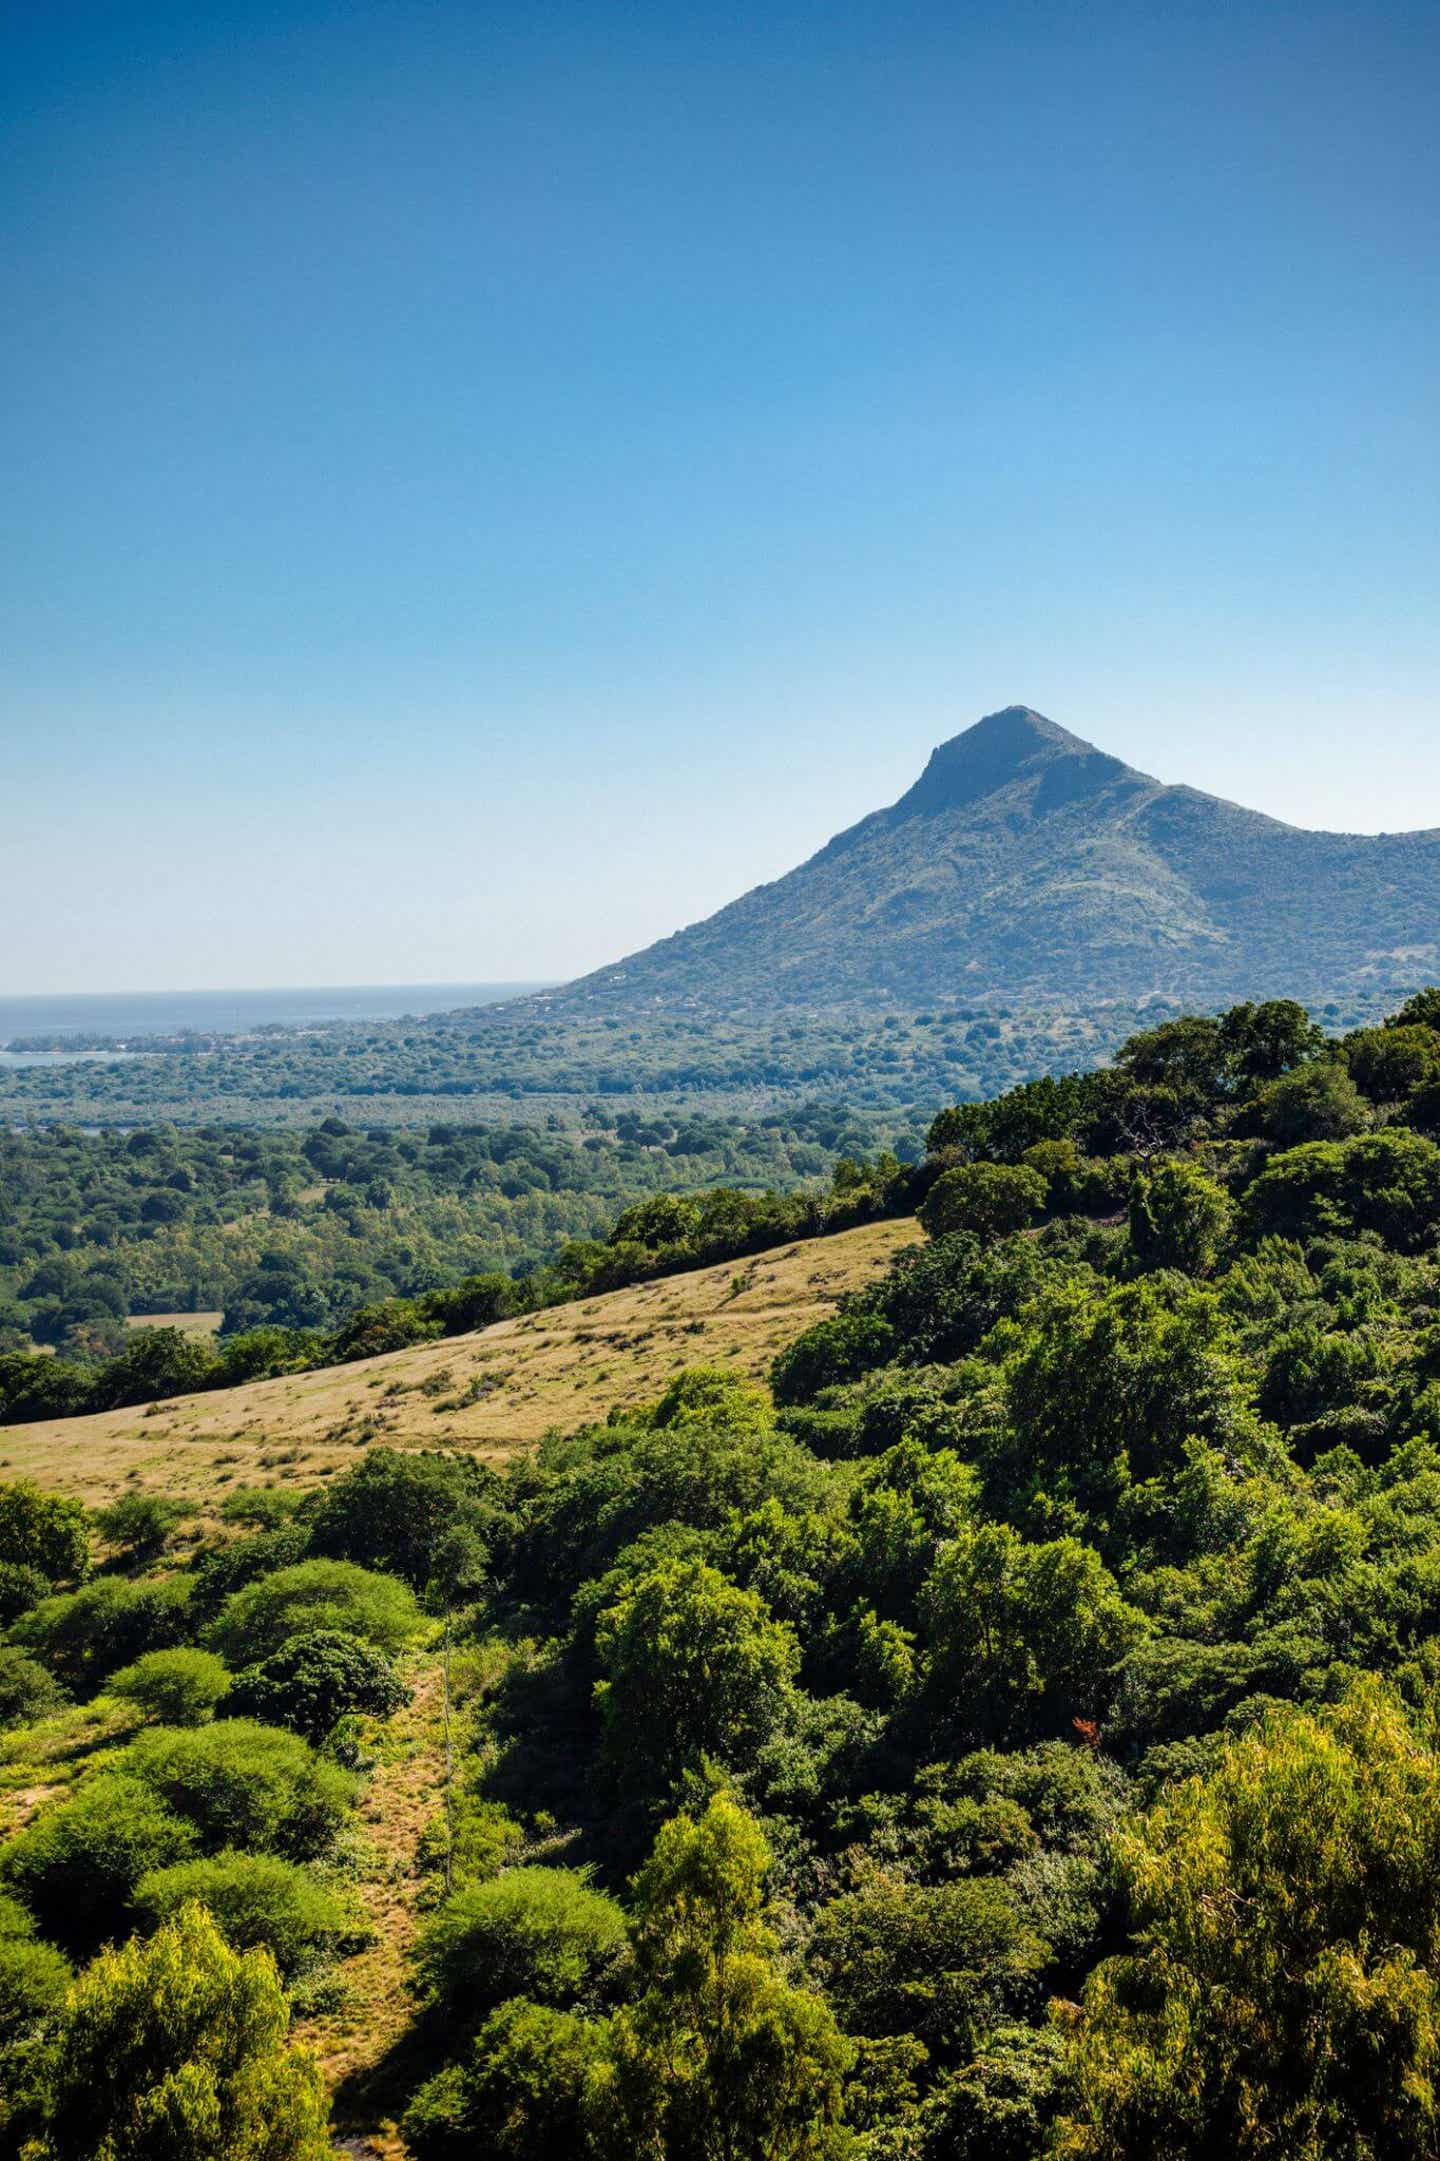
483,484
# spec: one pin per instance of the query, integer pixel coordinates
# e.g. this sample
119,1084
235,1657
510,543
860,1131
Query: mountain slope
1025,863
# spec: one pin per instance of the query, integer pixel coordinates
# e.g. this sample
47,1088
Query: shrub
842,1348
264,1508
338,1595
694,1667
42,1530
140,1522
174,1688
34,1978
84,1636
223,1570
242,1784
394,1511
21,1590
27,1691
178,2049
989,1200
315,1680
518,2095
1179,1218
537,1932
77,1863
254,1898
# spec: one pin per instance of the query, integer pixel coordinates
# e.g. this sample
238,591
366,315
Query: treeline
663,1235
300,1230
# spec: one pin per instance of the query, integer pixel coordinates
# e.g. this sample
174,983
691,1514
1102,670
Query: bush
27,1691
77,1863
315,1680
256,1621
254,1898
42,1530
140,1523
1179,1218
990,1200
264,1508
21,1590
34,1978
179,2050
245,1785
694,1668
843,1348
86,1635
518,2095
395,1511
223,1570
174,1688
537,1932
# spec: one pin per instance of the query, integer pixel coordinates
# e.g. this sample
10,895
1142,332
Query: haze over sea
126,1015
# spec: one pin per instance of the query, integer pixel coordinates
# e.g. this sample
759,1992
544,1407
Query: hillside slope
1027,864
489,1393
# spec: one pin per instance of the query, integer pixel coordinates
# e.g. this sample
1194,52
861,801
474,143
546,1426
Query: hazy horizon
486,488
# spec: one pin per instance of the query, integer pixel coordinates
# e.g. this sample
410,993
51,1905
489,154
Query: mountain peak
1014,744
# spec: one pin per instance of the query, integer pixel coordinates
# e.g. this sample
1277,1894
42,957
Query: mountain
1026,865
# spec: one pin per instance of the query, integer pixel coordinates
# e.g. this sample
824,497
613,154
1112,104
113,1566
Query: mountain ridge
1025,862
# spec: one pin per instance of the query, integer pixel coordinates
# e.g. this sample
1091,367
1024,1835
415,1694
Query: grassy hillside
488,1392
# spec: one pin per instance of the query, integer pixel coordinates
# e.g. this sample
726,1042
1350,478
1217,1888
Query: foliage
989,1200
173,1688
44,1531
84,1636
176,2050
541,1933
242,1784
76,1865
692,1668
719,2054
316,1679
253,1898
519,2095
27,1690
1282,1997
338,1596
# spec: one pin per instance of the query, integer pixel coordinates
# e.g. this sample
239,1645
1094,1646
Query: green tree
140,1522
315,1680
48,1531
396,1509
84,1636
243,1784
541,1933
518,2095
173,1688
1179,1218
27,1691
76,1864
1023,1639
720,2057
989,1200
253,1898
1282,1999
177,2049
255,1621
693,1667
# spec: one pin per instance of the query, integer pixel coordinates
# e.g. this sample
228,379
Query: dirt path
365,2046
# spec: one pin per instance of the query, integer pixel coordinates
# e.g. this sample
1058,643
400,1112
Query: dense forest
529,1059
1014,1732
300,1230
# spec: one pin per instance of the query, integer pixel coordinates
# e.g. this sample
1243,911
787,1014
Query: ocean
128,1015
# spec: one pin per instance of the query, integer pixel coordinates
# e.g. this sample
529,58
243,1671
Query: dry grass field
490,1392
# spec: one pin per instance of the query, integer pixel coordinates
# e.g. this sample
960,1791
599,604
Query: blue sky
485,484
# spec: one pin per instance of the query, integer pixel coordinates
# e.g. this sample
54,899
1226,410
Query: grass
489,1393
